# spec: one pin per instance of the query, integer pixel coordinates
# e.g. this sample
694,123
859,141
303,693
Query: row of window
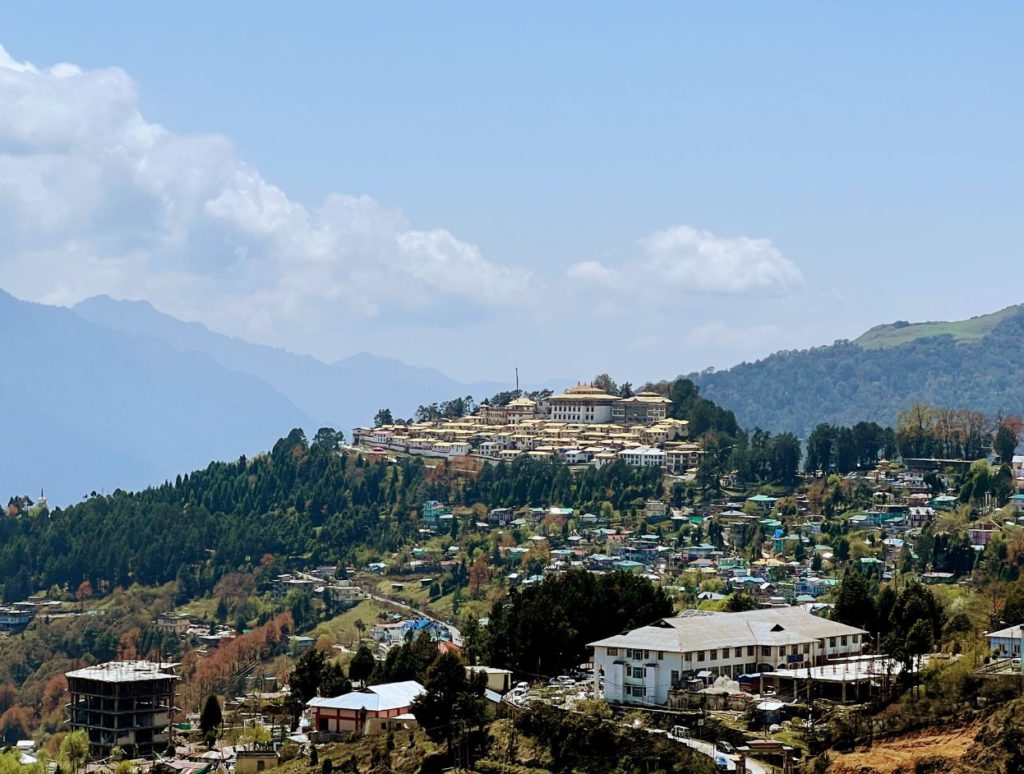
636,654
766,650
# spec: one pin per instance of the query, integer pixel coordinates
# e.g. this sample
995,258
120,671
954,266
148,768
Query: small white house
1006,642
643,457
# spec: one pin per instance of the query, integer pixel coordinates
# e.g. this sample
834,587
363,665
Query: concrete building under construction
127,704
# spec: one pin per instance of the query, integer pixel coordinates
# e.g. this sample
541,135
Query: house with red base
369,711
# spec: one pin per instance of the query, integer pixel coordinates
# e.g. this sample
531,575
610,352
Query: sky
643,189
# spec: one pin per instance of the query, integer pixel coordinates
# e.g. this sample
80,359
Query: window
750,650
637,672
782,650
636,690
261,765
661,655
700,655
738,653
766,650
831,642
712,655
842,640
613,651
807,648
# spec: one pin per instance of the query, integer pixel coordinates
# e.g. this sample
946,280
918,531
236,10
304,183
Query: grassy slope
893,335
342,629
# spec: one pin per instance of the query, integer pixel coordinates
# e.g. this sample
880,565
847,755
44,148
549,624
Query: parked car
725,747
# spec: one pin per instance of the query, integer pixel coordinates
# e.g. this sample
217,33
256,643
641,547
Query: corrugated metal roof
772,626
375,698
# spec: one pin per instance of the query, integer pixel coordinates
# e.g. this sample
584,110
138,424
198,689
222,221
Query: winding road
456,634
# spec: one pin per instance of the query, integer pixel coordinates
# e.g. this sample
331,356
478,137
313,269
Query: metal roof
375,698
770,626
1011,631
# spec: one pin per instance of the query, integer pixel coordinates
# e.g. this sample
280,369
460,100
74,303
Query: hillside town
764,643
476,388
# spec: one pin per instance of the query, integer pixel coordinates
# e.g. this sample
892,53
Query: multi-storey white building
582,404
644,408
643,456
641,666
520,410
681,457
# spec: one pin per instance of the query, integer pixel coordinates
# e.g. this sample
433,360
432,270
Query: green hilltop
902,332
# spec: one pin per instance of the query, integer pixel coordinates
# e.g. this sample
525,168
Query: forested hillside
303,499
845,383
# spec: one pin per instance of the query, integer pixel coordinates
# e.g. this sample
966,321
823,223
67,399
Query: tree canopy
309,499
211,718
845,382
544,628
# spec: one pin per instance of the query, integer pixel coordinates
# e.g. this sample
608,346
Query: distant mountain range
342,394
117,394
976,363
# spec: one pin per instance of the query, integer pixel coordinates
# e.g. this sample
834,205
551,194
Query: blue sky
545,183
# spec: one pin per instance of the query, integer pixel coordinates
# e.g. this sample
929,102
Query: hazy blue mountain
85,407
976,363
343,394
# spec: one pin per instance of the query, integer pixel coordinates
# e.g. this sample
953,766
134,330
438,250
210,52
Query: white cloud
595,272
96,199
687,259
691,257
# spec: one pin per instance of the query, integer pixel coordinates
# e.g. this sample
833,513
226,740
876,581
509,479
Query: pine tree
211,719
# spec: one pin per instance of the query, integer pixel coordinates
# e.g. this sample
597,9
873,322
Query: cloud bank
94,198
690,260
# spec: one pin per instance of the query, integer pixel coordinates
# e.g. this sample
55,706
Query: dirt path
901,755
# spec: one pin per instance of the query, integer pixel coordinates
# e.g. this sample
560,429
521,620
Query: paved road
753,766
456,634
